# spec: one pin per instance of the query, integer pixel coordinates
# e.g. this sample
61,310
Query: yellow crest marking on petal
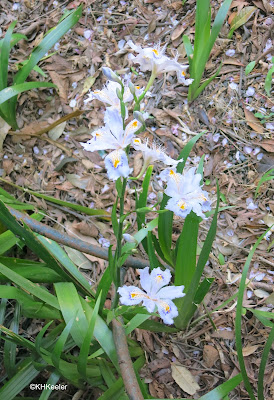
137,141
182,205
116,163
174,176
183,73
116,159
137,87
134,124
159,278
165,306
155,51
135,295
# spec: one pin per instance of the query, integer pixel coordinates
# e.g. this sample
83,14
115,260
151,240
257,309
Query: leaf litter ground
238,148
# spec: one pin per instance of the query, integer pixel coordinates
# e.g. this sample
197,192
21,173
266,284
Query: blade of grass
84,350
85,210
30,287
10,349
265,354
53,379
14,90
4,56
19,381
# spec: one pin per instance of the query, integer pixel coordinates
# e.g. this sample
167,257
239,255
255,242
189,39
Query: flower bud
111,75
139,116
119,94
160,197
131,87
129,238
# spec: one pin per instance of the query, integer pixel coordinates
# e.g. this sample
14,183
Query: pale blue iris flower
156,294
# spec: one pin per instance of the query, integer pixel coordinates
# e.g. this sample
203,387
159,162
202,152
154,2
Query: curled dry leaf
178,31
4,128
57,131
78,258
184,379
268,145
210,355
249,350
252,121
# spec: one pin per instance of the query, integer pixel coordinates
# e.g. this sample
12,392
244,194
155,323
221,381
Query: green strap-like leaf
47,43
12,91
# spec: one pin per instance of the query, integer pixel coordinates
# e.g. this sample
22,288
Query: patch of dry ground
238,149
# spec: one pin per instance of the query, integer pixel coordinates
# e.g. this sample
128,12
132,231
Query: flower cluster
156,294
185,193
119,133
154,59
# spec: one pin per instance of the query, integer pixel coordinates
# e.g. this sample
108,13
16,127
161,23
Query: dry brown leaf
261,293
62,84
184,379
57,131
268,145
78,258
178,31
77,181
176,5
249,350
74,232
152,25
252,121
4,128
210,355
231,61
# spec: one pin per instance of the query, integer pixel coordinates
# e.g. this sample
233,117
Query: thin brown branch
75,243
128,374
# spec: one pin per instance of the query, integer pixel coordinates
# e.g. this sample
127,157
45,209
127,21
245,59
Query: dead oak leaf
268,145
252,121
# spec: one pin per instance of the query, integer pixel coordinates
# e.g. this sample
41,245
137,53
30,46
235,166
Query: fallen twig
75,243
127,370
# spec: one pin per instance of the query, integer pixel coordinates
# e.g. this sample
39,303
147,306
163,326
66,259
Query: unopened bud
131,88
159,197
129,238
119,94
111,75
139,116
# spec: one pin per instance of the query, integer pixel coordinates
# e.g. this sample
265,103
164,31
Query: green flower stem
149,84
118,250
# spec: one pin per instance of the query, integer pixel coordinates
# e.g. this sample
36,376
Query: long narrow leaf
10,349
12,91
21,380
186,255
30,287
47,43
186,309
84,351
238,321
4,56
265,354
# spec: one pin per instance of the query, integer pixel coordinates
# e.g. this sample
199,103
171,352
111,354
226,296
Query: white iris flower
152,154
154,59
186,194
114,137
108,95
155,295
